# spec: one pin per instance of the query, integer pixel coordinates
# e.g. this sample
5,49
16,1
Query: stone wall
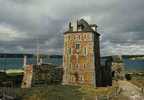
27,78
81,59
117,67
44,74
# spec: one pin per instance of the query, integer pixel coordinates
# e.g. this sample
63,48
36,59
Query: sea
17,63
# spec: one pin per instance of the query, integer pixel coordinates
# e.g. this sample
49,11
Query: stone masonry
81,59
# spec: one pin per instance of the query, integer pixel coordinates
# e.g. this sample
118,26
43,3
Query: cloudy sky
23,22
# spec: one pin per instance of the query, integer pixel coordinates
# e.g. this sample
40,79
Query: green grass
10,71
63,92
53,92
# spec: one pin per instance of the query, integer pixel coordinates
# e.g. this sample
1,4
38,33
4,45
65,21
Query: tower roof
83,26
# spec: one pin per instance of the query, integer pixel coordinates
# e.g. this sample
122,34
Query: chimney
74,25
94,27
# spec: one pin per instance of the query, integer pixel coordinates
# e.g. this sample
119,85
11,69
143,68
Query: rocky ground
131,91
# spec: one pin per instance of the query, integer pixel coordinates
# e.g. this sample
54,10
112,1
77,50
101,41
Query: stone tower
81,60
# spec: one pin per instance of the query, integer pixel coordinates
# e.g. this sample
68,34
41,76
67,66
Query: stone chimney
74,25
94,27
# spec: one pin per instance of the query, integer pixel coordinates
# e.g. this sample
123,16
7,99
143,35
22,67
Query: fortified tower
81,60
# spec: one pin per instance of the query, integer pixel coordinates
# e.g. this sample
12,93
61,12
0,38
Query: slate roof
85,27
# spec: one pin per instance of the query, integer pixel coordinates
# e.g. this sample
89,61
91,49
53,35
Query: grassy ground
53,92
14,71
63,92
120,97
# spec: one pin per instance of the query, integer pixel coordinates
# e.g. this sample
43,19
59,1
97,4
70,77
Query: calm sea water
17,63
134,65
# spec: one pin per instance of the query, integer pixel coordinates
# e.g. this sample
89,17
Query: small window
84,66
70,66
88,36
81,78
68,37
74,37
79,37
77,46
77,65
69,50
85,51
85,35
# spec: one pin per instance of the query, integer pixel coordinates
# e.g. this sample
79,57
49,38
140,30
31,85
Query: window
85,35
68,37
85,51
81,78
70,66
79,37
69,50
74,37
84,66
77,66
77,46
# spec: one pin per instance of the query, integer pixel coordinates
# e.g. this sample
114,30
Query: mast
25,61
38,51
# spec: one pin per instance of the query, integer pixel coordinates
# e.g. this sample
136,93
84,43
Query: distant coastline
132,63
21,55
18,55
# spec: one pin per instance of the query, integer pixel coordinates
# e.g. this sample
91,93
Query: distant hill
9,55
125,56
132,56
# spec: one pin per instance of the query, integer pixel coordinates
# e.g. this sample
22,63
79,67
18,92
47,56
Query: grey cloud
120,23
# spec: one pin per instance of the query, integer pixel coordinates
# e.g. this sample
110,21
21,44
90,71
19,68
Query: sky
24,22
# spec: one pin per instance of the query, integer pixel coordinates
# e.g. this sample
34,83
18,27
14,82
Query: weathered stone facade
117,67
81,60
41,74
27,78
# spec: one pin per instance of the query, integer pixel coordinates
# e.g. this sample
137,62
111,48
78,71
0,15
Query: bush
128,76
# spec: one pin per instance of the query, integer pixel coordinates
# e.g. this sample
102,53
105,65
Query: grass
120,97
17,71
64,92
53,92
98,91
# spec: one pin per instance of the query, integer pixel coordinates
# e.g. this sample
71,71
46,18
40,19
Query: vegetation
136,58
53,92
128,76
10,79
65,92
120,97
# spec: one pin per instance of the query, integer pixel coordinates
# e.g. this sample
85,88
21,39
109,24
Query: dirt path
130,90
